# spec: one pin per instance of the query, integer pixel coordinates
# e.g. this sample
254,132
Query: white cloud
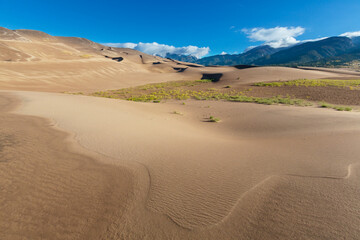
223,53
351,34
275,37
313,40
162,49
122,45
249,48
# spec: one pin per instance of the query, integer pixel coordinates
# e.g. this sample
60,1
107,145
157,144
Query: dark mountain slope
181,58
238,59
309,52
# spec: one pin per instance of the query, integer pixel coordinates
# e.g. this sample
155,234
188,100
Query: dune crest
36,61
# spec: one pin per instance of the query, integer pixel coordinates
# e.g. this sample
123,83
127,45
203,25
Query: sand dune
78,167
103,74
48,189
232,177
36,61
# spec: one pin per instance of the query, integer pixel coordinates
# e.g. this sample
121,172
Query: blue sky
218,26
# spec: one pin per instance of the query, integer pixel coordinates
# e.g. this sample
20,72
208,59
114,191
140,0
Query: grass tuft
176,112
214,119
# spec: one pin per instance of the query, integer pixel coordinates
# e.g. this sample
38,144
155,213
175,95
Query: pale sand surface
79,75
264,172
95,74
48,190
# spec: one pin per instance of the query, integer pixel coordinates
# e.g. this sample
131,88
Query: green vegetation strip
184,90
336,107
313,83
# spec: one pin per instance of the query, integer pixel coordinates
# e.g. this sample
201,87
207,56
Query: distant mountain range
182,58
237,59
332,51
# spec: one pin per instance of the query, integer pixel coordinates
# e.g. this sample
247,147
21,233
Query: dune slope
238,183
49,188
35,61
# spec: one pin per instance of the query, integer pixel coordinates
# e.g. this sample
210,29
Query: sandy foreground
77,167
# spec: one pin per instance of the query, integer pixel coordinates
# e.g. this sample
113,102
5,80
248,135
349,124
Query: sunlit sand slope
49,189
282,167
35,61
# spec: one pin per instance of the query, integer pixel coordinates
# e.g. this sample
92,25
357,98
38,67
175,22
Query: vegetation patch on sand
176,112
313,83
214,119
198,90
336,107
75,93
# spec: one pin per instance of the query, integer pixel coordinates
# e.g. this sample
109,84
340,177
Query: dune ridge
162,190
35,61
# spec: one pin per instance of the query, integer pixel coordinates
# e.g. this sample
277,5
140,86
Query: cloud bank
162,49
313,40
351,34
275,37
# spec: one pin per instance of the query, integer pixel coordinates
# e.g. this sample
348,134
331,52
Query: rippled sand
49,189
270,172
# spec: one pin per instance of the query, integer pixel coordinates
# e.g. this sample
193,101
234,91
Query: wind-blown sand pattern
80,167
287,175
49,190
